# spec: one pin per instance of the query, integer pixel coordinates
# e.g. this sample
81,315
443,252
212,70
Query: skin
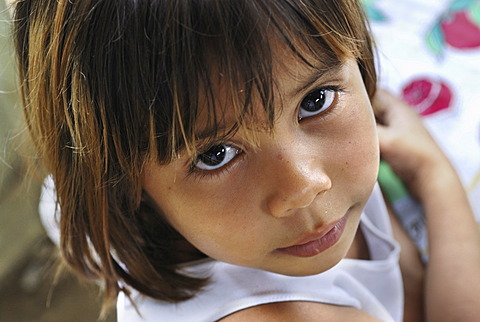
452,276
447,288
308,175
305,177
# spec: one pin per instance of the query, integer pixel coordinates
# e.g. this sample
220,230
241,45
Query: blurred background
428,53
28,259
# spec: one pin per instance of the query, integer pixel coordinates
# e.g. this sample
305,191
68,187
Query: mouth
317,242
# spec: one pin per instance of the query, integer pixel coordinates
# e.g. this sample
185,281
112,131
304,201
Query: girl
214,159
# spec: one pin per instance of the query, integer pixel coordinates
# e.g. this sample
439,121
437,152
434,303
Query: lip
317,242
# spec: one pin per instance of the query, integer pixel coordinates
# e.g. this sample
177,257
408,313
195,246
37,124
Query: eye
216,157
317,101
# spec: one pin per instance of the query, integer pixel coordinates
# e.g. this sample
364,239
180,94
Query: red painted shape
460,32
427,95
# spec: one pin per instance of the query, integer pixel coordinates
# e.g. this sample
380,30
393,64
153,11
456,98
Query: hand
453,237
405,143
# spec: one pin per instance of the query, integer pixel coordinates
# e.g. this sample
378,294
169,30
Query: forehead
293,72
233,80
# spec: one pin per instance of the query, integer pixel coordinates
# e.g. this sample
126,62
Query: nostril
297,193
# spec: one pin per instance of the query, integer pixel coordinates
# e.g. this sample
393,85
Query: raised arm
452,285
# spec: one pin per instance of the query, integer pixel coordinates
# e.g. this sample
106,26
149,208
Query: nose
295,180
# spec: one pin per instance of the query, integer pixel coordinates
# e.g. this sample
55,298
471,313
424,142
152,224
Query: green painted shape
435,40
474,12
391,185
374,14
459,5
368,2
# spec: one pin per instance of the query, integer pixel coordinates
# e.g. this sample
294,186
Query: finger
383,133
381,103
379,99
386,141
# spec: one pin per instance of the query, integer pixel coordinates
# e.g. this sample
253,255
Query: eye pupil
314,101
214,156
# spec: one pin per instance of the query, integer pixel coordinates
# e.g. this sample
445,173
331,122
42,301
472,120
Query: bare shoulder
299,311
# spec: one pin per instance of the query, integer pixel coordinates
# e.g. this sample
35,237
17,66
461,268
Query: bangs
109,85
164,74
218,60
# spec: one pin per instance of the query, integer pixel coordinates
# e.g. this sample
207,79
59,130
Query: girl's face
292,204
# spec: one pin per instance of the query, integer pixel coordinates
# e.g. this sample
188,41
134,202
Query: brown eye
316,102
216,157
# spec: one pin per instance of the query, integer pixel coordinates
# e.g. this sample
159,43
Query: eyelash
199,174
336,89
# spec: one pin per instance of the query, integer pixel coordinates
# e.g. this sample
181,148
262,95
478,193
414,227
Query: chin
296,266
313,265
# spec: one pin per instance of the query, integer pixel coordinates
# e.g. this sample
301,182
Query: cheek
364,151
218,224
359,150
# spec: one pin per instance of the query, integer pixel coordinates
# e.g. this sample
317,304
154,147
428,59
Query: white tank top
374,286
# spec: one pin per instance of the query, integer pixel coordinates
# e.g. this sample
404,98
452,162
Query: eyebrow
318,72
210,132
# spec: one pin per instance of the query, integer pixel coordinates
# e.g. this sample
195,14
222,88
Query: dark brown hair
111,84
